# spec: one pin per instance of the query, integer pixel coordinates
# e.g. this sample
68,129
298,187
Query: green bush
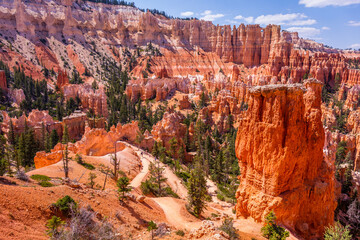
180,233
273,231
220,197
184,176
53,225
46,184
88,166
337,232
228,227
65,205
170,192
38,177
146,187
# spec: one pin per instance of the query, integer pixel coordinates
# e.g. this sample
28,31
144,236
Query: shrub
337,232
65,205
92,176
146,187
83,225
151,227
86,165
46,184
271,230
220,197
123,187
38,177
170,192
53,224
22,176
180,233
228,227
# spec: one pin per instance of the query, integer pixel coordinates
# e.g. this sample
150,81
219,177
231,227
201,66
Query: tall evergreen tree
54,138
197,189
157,175
11,134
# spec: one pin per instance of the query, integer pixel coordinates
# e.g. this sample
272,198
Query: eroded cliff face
280,150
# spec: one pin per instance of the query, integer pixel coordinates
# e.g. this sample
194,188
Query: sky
335,23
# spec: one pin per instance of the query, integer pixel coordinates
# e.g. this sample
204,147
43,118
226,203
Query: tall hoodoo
3,83
280,150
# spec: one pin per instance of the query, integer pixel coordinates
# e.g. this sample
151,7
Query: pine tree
47,146
66,159
21,149
123,187
11,134
151,227
43,137
54,138
65,137
219,167
30,147
173,146
197,189
3,162
273,231
181,154
157,176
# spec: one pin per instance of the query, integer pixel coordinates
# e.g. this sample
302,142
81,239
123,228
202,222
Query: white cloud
325,28
354,23
187,14
325,3
206,12
355,46
246,19
209,16
305,32
291,19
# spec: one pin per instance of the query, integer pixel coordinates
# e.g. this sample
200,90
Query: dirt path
172,180
136,182
176,214
174,209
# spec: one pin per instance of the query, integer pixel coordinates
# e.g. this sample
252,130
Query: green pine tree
197,189
273,231
123,187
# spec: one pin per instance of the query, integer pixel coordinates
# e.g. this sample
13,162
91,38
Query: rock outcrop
90,98
159,89
280,150
97,142
3,82
62,79
169,127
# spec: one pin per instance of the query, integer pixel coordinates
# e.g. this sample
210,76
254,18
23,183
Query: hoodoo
280,150
3,84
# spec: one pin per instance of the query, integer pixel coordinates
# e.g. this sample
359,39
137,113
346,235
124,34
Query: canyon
291,103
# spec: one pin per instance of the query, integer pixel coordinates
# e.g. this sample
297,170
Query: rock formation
169,127
97,142
280,150
62,79
3,82
90,98
159,89
76,123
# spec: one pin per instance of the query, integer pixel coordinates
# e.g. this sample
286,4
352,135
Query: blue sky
332,22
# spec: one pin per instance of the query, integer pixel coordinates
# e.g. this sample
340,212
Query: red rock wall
3,83
280,150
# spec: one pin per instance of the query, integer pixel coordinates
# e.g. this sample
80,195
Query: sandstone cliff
280,150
